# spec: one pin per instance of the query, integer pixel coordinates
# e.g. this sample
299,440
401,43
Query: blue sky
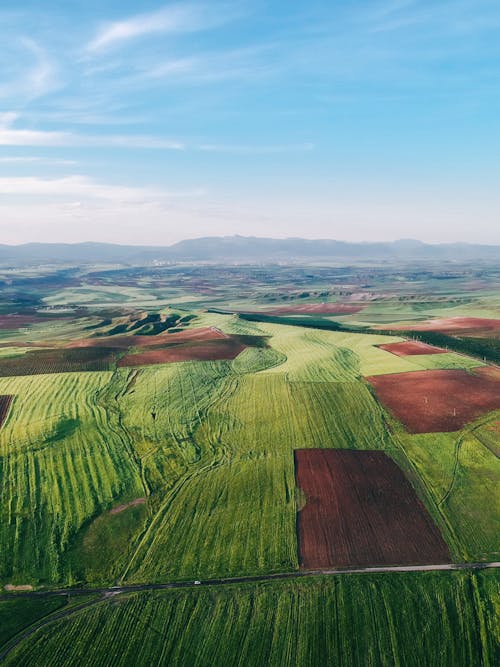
151,122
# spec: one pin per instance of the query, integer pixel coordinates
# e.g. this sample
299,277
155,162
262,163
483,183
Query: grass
443,619
18,613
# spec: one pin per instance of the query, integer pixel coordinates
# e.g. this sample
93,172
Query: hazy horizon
247,237
146,125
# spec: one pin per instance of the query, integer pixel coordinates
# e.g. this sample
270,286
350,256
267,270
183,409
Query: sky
151,122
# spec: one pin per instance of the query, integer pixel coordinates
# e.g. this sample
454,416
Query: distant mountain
244,249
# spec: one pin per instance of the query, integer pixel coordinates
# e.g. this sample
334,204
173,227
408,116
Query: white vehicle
197,583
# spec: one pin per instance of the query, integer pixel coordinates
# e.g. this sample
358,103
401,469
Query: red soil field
125,341
209,350
361,511
475,326
438,401
411,348
317,308
5,402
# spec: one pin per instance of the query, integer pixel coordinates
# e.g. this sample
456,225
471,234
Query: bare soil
438,401
411,348
361,511
121,508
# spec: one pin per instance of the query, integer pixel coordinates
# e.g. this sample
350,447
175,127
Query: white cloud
30,159
15,137
76,186
178,18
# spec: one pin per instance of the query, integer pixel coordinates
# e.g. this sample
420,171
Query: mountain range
245,249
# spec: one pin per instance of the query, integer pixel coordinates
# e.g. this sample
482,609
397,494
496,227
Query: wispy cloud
256,150
18,137
40,77
85,187
178,18
34,159
252,62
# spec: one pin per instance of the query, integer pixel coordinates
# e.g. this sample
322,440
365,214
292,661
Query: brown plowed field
361,511
5,402
438,401
209,350
410,348
317,309
474,326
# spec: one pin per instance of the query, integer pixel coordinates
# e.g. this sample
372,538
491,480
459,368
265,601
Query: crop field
461,471
36,362
351,621
358,509
436,401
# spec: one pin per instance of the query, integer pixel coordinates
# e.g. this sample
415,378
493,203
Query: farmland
149,444
437,401
347,621
360,510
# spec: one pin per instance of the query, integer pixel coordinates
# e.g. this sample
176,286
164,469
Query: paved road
131,588
106,593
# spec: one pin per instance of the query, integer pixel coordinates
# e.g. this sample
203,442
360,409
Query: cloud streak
174,19
18,137
82,186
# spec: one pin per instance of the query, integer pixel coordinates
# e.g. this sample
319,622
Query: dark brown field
317,309
361,511
5,402
438,401
208,350
58,360
410,348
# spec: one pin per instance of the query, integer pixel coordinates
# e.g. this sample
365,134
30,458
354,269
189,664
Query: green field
353,621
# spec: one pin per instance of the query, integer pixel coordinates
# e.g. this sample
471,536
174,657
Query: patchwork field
358,509
119,467
436,401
